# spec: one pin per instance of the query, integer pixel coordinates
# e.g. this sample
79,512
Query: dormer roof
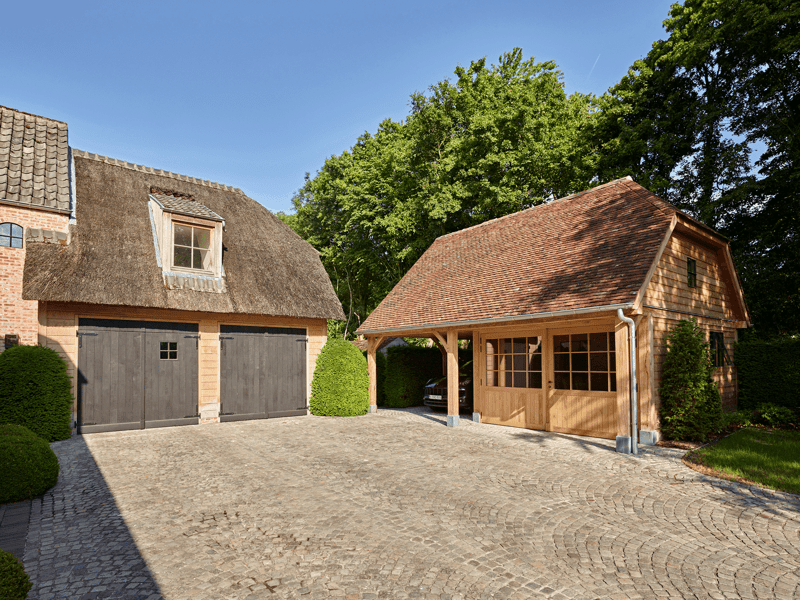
184,205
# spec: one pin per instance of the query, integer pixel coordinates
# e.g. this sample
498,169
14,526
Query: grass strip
767,458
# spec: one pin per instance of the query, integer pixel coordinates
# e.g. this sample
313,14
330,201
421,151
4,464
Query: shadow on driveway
78,545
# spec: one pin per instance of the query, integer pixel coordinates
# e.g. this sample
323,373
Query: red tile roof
586,250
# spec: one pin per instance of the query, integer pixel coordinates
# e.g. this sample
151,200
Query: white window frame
211,247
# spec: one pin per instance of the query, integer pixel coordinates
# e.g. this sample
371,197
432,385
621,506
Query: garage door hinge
197,416
196,342
80,335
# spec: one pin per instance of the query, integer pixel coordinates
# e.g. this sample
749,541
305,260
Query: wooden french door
581,381
511,380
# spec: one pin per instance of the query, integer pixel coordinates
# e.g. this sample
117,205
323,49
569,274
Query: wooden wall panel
668,288
724,376
584,413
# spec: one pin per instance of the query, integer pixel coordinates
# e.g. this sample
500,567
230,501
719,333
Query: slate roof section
182,205
587,250
34,161
111,259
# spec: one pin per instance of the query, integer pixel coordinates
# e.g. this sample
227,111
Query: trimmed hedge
28,467
768,372
35,391
340,387
380,367
14,581
408,369
691,406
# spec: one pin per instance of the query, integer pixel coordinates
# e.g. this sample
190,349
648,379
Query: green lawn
771,459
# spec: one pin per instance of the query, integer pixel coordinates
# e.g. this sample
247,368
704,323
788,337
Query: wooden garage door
262,372
136,374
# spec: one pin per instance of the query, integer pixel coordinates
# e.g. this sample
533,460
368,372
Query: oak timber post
372,347
452,378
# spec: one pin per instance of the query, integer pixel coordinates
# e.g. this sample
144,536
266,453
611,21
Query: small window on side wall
10,235
719,354
691,272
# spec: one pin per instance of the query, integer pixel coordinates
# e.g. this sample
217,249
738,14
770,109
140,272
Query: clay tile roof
183,205
591,249
34,160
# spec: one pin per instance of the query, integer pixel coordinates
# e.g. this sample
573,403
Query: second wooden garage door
262,372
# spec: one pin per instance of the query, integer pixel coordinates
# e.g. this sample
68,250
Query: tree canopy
708,120
498,139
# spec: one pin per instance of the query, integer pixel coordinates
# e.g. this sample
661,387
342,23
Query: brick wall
19,316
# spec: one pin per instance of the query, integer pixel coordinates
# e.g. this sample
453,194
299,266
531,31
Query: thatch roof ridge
136,167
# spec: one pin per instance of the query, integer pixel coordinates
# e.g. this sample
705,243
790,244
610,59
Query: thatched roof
111,258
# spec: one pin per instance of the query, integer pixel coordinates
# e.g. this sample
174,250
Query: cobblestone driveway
395,505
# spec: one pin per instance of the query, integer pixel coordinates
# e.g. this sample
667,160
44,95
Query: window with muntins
691,272
169,350
10,235
514,362
585,361
192,247
719,354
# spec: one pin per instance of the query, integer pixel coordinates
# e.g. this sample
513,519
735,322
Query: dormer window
192,247
188,242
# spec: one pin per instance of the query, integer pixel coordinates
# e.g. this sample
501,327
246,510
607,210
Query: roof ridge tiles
22,112
525,210
154,171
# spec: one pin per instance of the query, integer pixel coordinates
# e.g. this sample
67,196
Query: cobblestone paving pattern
394,505
78,545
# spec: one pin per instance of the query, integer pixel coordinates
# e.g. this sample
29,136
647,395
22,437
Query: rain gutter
542,315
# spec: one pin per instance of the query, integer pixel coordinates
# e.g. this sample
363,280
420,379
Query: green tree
708,120
691,406
497,140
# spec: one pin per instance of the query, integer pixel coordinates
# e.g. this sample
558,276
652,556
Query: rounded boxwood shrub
35,391
14,581
691,406
28,467
340,387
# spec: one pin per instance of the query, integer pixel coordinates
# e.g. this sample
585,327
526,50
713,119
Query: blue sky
256,94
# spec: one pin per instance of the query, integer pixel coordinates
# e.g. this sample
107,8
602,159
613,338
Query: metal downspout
634,403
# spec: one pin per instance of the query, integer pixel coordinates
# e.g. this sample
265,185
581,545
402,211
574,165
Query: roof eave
491,320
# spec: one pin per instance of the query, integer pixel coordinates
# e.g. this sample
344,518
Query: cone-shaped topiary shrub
35,391
340,387
28,467
14,581
691,406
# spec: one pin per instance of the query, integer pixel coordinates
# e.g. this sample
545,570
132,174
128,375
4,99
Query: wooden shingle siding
725,376
669,289
58,324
